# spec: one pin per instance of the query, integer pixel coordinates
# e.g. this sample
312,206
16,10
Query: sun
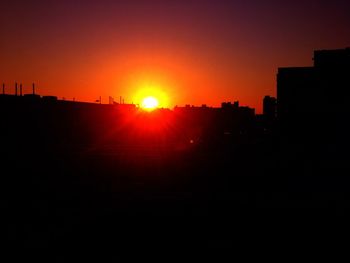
150,103
150,97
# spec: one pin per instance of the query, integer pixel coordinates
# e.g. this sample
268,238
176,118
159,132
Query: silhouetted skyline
96,156
194,51
78,173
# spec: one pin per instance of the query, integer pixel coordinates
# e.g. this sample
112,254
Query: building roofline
294,69
333,50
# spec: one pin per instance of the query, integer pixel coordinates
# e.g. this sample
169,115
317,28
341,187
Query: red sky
194,52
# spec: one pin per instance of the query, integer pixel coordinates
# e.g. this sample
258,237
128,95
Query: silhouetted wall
315,100
269,107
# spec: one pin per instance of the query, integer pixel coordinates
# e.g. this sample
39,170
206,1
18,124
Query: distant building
234,108
31,97
125,106
50,98
226,105
229,105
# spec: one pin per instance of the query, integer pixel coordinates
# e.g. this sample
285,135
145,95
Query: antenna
16,89
20,89
3,88
33,88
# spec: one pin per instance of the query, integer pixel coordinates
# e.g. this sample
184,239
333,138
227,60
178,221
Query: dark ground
82,200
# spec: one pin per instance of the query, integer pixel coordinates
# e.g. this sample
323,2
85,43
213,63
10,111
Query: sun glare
150,97
149,103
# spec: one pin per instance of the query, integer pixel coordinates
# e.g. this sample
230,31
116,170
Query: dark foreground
169,200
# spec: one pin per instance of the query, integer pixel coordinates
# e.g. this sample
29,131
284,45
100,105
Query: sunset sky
188,52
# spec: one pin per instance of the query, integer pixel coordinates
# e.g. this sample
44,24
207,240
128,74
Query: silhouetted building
235,108
269,107
296,89
313,102
332,59
50,98
303,92
32,97
226,105
333,79
229,105
125,106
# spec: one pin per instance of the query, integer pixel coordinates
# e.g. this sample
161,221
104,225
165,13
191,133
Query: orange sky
194,54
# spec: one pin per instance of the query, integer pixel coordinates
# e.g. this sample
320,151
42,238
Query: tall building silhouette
308,92
332,68
269,107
